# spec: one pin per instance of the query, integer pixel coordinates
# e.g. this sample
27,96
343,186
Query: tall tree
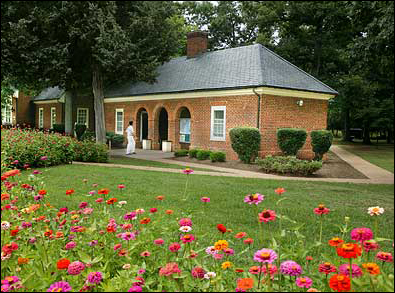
79,44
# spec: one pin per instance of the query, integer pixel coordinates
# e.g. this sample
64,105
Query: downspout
259,108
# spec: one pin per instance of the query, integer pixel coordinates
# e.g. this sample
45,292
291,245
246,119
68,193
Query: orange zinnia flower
245,283
103,191
340,283
349,250
11,173
169,212
371,268
59,234
48,233
145,221
22,260
69,192
335,241
160,197
112,200
5,196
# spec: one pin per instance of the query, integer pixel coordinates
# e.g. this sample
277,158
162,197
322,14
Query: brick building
198,98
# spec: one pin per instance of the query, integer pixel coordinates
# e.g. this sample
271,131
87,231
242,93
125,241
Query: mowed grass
148,163
381,154
227,195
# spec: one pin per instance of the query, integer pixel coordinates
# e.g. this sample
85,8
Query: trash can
146,144
166,146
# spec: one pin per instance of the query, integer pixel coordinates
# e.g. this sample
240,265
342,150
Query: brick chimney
196,43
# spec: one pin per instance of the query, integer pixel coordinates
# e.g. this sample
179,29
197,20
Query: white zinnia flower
375,211
122,202
185,229
5,225
210,275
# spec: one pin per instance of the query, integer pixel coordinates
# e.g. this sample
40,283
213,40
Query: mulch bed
333,167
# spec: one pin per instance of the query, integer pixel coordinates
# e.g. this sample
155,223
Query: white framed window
53,116
40,117
218,123
6,114
119,121
83,116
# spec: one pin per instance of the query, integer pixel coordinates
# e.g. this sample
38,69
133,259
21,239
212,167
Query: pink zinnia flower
218,256
135,289
121,186
327,268
370,245
290,268
187,238
272,269
145,253
99,200
159,241
304,282
117,246
255,198
174,247
265,256
83,205
384,256
169,269
205,199
185,222
229,251
70,245
61,286
75,268
128,236
153,210
361,234
187,171
130,216
267,216
344,269
95,277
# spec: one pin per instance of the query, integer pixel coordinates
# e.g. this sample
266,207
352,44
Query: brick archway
160,125
142,125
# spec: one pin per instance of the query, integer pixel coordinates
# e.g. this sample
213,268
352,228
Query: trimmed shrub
288,165
116,139
90,151
79,130
218,157
291,140
321,140
203,155
181,153
246,142
193,153
89,135
59,128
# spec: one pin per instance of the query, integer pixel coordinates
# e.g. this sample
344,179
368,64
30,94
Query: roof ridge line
293,65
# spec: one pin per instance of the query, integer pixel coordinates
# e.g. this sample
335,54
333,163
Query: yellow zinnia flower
226,265
221,245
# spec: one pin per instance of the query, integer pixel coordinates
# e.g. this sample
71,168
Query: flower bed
32,148
93,249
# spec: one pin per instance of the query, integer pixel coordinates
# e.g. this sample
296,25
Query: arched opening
163,126
185,128
141,126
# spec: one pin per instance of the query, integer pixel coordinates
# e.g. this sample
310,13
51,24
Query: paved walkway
375,174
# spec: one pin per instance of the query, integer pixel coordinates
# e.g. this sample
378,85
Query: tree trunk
389,136
98,97
366,135
346,134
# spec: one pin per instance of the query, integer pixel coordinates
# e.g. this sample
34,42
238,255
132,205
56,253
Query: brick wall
196,43
24,113
84,102
276,112
47,114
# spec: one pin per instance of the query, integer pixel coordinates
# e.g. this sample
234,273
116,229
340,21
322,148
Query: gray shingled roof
50,93
247,66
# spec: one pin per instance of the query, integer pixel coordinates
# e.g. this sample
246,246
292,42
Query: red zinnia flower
335,241
340,283
14,232
43,192
112,200
63,264
327,268
103,191
145,221
69,192
349,250
321,210
221,228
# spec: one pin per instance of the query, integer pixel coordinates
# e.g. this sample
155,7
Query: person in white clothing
131,143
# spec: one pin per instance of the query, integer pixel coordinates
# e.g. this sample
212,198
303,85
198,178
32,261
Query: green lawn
140,162
227,194
381,154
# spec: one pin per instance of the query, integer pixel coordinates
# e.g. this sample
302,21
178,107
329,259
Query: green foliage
193,153
59,128
89,135
181,153
321,140
288,165
246,142
80,130
218,157
203,155
116,139
90,151
291,140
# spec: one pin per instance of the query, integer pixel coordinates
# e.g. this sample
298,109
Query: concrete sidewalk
375,174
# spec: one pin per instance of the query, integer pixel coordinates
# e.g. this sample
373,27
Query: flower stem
350,272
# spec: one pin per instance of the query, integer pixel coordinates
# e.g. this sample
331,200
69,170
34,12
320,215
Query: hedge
218,157
291,140
288,165
203,155
181,153
193,153
246,142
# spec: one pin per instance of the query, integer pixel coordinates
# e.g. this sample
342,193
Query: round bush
193,153
181,153
218,157
203,155
321,140
291,140
246,142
